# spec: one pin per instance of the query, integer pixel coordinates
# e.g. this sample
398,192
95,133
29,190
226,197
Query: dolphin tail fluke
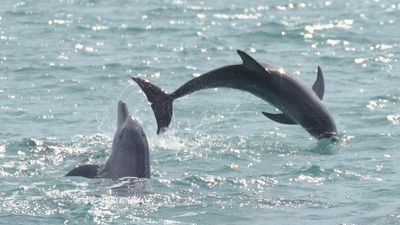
161,103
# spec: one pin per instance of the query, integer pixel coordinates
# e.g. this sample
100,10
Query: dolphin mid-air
129,155
298,103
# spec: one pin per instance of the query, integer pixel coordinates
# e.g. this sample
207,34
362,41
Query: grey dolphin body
130,152
298,103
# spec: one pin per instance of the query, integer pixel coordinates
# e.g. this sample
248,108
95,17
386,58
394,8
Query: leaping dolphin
298,103
130,152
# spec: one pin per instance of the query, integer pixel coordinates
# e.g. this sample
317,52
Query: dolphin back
161,103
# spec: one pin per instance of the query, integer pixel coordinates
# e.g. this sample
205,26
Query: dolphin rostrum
298,103
129,155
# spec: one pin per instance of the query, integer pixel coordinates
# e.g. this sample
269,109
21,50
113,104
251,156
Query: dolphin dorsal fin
319,85
123,113
251,63
280,118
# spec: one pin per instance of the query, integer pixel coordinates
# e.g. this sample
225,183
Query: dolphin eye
121,134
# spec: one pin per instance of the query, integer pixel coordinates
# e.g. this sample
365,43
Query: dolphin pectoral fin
251,63
280,118
88,171
319,85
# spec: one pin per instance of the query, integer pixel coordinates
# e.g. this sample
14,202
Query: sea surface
64,65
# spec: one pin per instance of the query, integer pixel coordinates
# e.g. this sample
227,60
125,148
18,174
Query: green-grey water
64,65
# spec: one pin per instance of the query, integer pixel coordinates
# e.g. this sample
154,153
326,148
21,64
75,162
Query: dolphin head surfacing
130,152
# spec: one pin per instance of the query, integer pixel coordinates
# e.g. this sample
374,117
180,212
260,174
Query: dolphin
298,103
129,155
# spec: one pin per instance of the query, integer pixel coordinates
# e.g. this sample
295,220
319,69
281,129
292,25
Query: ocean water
64,64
